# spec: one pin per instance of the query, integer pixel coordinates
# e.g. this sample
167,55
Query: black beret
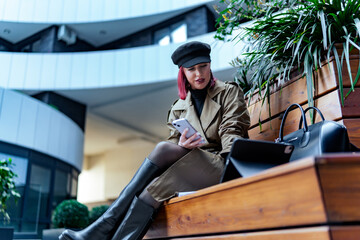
191,53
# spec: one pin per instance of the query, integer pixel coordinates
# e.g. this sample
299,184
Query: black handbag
316,139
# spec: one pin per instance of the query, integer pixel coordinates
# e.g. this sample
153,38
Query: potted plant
287,36
96,212
69,214
7,190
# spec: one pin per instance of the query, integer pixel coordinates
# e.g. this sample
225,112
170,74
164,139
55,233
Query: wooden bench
313,198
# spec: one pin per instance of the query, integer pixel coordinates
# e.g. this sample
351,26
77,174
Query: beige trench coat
223,118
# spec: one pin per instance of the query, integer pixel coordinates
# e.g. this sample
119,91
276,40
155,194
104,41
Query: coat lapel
192,117
209,112
211,107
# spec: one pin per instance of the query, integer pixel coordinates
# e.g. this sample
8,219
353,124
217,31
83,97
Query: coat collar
209,111
212,92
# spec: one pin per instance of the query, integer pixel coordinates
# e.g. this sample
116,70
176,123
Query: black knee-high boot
136,221
104,227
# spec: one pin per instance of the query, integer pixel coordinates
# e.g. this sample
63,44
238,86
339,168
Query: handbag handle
317,110
281,133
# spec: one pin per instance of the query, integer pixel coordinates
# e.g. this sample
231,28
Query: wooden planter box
326,98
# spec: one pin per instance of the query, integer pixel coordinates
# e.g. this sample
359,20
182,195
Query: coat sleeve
235,117
174,134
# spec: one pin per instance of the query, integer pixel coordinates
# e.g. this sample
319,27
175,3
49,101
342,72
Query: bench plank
341,189
285,196
311,233
353,126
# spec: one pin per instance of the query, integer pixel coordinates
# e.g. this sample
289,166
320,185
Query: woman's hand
190,143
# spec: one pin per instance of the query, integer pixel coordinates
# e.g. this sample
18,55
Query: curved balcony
103,69
69,11
27,122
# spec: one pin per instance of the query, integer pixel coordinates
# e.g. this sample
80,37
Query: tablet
248,157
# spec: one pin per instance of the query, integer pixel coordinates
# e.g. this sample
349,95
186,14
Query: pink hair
183,85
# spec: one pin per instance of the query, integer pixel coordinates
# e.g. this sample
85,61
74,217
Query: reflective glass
14,207
32,209
39,184
61,187
179,33
74,187
19,167
162,37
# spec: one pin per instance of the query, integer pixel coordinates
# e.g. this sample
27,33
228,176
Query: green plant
239,11
7,186
297,35
70,214
96,212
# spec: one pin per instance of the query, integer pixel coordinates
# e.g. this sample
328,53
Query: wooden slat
295,92
340,184
345,233
283,199
331,108
354,64
292,93
311,233
352,104
314,233
269,132
270,173
353,127
326,83
328,104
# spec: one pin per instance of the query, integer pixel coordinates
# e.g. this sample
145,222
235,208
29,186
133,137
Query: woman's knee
165,153
163,148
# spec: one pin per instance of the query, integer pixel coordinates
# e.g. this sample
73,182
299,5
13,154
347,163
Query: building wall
92,180
105,175
27,122
47,149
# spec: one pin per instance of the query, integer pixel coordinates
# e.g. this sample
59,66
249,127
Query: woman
216,110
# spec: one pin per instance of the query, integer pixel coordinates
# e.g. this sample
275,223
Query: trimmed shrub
70,214
96,212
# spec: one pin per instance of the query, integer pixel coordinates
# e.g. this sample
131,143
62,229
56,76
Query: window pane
162,36
14,208
179,33
32,209
74,187
164,41
19,167
61,187
39,187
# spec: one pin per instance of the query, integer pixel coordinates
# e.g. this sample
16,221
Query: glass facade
43,182
177,29
174,33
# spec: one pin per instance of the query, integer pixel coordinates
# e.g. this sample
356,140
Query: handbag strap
281,132
317,110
